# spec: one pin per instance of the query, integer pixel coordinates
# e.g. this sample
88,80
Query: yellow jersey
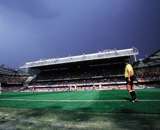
128,69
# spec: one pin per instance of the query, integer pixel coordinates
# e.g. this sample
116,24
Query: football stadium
83,92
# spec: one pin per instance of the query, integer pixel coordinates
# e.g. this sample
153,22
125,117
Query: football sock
134,95
131,93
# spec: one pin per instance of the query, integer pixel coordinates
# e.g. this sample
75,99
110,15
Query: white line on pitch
32,100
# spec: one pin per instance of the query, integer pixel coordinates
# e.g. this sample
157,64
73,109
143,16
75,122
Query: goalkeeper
129,76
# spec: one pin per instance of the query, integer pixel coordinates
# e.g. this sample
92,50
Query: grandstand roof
85,57
152,60
7,71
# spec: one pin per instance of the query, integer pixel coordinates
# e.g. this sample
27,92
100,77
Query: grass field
82,110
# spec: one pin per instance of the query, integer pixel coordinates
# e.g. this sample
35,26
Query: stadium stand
11,80
148,69
102,70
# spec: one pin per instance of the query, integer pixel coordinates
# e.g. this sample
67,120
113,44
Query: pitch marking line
33,100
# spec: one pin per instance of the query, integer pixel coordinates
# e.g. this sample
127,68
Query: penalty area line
34,100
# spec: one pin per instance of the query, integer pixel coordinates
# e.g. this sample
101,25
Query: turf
59,115
123,105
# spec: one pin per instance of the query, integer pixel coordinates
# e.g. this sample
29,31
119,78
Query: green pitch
81,110
113,101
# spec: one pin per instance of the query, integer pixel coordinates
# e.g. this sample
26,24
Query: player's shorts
131,80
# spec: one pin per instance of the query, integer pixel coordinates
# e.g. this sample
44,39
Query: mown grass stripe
32,100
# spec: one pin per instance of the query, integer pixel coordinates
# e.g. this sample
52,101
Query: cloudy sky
39,29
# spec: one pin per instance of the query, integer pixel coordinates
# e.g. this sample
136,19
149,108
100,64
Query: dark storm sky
38,29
